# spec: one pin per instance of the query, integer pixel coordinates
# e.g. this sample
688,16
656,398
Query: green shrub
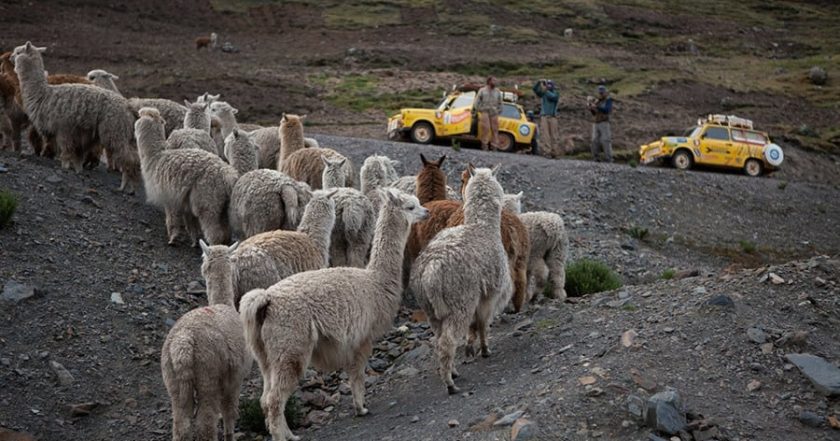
8,204
589,276
668,274
638,232
251,416
782,185
747,246
633,163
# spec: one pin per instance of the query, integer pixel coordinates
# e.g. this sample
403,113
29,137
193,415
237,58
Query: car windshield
510,111
693,132
442,104
463,100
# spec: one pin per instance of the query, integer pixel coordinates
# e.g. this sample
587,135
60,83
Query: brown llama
433,187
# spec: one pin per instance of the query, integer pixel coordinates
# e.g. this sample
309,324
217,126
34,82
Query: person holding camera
488,104
601,107
549,126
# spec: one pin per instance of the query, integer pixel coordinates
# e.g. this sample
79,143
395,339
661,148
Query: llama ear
470,169
393,197
204,247
342,162
495,169
396,163
302,117
423,159
233,247
520,194
187,103
283,118
234,110
325,161
440,161
332,193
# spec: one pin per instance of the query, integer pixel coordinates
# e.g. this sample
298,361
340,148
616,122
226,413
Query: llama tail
253,308
289,199
182,368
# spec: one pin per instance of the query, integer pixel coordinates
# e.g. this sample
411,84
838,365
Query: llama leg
181,420
192,226
469,350
356,372
483,317
557,270
230,411
284,382
482,337
446,345
206,422
539,276
17,127
173,229
520,281
65,151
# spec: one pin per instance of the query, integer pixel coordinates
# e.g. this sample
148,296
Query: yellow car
720,141
453,118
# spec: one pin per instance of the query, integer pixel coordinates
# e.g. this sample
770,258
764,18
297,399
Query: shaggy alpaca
462,279
549,249
79,117
196,131
226,115
241,152
355,218
378,172
265,200
267,258
187,182
513,202
516,242
171,111
304,164
205,357
329,317
270,141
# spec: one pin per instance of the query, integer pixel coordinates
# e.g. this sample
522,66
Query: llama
433,179
188,182
205,358
267,258
195,133
549,250
79,117
355,218
378,172
207,42
329,317
462,279
304,164
269,140
265,200
241,152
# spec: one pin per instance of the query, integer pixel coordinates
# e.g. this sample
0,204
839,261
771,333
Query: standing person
535,140
601,108
549,126
488,103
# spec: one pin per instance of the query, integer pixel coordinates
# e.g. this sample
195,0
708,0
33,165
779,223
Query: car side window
463,100
718,133
510,111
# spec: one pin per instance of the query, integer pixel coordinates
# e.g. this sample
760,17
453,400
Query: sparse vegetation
637,232
747,246
668,274
588,277
8,204
633,163
782,185
252,419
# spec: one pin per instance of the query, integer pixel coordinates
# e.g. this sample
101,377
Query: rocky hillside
90,290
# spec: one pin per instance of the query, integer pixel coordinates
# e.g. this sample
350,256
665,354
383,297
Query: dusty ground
77,241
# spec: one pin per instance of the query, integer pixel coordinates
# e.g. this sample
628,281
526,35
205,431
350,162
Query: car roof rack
728,120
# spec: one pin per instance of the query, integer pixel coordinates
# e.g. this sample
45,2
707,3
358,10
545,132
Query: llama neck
318,223
108,84
241,160
386,253
431,185
484,212
197,120
151,140
228,121
291,140
33,82
220,287
331,179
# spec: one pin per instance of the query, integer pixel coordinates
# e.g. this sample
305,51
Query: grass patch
361,16
544,324
251,416
588,277
747,246
637,232
668,274
359,93
782,185
8,205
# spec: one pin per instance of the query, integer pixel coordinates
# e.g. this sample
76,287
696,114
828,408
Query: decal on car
524,130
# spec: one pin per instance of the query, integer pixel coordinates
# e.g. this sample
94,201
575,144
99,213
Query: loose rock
811,419
628,338
65,378
824,375
721,300
818,76
453,423
509,419
15,292
756,335
753,386
522,430
117,298
82,409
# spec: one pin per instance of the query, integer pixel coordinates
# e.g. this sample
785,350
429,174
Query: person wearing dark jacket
546,90
601,109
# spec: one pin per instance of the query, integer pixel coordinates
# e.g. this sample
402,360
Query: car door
715,146
457,118
742,147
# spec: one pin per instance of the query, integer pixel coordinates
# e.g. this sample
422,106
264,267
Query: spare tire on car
774,155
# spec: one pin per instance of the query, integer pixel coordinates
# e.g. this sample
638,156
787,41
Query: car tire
753,167
507,143
682,160
422,133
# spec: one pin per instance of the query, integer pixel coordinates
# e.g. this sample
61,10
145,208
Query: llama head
407,204
217,271
483,190
99,75
435,164
152,114
334,174
207,98
27,53
220,107
513,202
238,140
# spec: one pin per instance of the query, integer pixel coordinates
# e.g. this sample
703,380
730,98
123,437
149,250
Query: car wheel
753,167
506,142
422,133
682,160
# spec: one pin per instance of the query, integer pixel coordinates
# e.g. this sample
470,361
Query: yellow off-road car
453,118
720,141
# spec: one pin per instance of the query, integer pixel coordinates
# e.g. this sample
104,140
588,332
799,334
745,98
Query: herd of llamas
323,260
